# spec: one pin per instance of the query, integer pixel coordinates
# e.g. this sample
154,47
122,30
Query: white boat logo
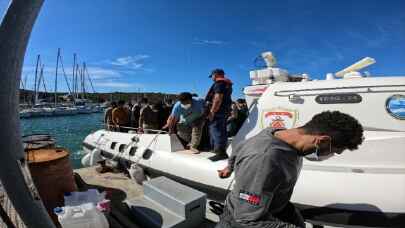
395,106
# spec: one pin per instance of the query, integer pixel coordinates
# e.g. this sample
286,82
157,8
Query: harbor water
68,131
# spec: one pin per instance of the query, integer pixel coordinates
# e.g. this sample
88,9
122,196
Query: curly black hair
346,132
185,96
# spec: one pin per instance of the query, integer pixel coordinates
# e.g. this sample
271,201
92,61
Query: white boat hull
362,189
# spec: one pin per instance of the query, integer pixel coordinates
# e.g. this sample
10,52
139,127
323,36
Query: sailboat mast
36,78
88,77
25,88
22,85
83,81
73,78
76,85
42,78
56,77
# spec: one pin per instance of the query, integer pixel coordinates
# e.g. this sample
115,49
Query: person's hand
224,173
210,116
169,129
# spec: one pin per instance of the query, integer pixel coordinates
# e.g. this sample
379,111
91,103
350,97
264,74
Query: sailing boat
61,110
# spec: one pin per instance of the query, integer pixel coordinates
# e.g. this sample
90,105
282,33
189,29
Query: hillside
27,96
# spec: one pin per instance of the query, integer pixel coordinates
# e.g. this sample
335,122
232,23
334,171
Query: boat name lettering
338,98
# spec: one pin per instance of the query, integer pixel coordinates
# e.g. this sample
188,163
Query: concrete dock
119,188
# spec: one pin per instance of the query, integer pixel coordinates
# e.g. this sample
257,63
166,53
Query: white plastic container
83,216
79,198
266,76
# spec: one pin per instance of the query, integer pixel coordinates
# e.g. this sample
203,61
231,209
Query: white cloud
383,34
208,42
118,85
103,73
257,43
135,62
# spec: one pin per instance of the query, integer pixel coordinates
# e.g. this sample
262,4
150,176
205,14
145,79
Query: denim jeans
191,134
217,129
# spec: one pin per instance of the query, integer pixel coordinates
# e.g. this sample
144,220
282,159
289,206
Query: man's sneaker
194,150
103,169
218,157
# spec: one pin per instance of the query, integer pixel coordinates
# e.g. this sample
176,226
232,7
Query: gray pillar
15,31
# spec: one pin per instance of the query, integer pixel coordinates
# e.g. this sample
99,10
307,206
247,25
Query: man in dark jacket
267,167
219,105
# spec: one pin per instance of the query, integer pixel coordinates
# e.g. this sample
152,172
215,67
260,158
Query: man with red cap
219,103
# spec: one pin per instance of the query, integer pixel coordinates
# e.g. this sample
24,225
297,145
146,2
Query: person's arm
216,103
171,122
141,118
227,171
114,117
219,90
234,115
106,113
174,117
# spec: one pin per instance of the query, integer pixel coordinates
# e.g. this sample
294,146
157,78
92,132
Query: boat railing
318,91
109,127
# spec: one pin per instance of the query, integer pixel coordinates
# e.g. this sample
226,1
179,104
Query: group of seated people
142,116
186,118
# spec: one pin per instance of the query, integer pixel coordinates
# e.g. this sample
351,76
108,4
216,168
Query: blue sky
171,46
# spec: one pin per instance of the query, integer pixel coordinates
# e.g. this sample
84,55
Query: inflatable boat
365,187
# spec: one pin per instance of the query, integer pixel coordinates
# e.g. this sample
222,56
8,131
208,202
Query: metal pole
56,77
79,83
64,74
43,79
83,81
88,76
76,85
36,78
15,31
73,78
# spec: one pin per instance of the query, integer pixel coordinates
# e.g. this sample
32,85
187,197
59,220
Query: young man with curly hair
267,167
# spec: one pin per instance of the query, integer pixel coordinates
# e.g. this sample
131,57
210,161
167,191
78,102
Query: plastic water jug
79,198
83,216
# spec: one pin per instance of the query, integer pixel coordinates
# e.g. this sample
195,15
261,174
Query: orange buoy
53,176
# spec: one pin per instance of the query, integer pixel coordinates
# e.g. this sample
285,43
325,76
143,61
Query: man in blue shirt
219,101
187,116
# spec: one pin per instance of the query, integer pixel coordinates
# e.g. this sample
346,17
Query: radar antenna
367,61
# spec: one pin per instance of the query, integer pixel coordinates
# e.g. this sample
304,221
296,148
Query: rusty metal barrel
53,176
37,141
